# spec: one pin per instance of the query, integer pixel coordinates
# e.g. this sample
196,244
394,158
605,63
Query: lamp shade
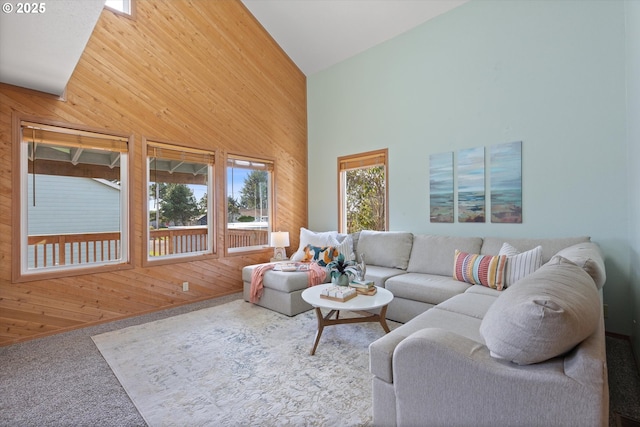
280,239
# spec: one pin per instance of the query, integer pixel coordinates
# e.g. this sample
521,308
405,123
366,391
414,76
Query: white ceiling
317,34
40,50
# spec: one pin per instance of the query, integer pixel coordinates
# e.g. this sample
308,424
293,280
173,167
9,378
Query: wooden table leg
383,318
319,332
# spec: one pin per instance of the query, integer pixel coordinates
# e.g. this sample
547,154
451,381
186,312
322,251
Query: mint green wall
551,74
633,138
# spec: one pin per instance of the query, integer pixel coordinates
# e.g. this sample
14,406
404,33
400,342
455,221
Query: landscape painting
506,182
471,185
441,187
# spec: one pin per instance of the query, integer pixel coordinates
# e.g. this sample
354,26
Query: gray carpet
63,380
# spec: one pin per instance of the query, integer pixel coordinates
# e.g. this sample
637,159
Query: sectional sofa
496,331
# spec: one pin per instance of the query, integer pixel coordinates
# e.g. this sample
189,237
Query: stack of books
363,287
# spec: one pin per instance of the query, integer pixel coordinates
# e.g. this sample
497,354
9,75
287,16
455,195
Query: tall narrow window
73,199
249,203
179,188
363,192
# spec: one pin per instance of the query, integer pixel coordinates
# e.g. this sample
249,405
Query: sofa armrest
448,379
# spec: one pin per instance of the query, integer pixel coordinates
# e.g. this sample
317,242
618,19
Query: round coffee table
360,305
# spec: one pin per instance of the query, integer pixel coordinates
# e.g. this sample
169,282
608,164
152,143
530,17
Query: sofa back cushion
385,248
435,254
543,315
550,246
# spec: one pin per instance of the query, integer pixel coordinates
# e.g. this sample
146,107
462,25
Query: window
123,6
363,192
179,186
73,200
249,203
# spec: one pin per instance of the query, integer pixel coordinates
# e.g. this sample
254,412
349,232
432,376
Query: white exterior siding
68,205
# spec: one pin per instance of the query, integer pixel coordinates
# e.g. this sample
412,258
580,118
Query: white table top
360,302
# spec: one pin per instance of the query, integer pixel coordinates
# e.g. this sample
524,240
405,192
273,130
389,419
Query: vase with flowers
342,270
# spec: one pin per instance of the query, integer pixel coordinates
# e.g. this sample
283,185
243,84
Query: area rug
238,364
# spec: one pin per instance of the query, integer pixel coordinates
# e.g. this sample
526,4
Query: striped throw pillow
485,270
519,264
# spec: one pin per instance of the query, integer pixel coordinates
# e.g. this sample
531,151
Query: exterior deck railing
68,249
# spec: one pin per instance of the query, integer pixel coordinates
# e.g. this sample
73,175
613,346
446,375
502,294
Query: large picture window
363,192
179,188
73,200
249,203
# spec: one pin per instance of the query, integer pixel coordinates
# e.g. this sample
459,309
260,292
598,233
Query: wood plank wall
200,73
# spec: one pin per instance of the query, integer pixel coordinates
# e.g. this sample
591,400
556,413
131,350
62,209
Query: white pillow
345,247
308,237
519,264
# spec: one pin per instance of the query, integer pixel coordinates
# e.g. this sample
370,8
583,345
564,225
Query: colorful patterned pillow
485,270
322,256
520,264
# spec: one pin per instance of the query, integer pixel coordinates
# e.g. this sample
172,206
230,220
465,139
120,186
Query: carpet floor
63,380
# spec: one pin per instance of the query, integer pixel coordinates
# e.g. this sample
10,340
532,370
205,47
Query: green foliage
254,193
178,204
365,199
245,218
233,209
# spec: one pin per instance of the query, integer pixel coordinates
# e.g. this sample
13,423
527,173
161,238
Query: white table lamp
279,241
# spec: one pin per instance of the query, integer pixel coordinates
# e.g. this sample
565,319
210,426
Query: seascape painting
441,187
471,185
506,182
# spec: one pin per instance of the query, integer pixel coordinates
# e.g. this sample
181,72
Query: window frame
359,161
130,14
20,271
271,169
211,252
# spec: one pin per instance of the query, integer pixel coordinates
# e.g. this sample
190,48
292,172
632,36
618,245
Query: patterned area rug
240,364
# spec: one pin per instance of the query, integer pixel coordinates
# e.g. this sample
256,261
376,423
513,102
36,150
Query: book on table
362,284
362,291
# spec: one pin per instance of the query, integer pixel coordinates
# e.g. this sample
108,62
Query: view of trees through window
248,202
177,204
365,199
363,192
178,190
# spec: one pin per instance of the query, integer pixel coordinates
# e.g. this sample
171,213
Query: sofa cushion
385,248
434,254
550,246
380,275
427,288
308,237
587,255
520,264
485,270
543,315
470,304
282,281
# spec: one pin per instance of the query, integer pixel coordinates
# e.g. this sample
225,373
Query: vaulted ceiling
40,50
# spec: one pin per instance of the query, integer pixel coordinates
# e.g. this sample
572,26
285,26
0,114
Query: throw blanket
316,275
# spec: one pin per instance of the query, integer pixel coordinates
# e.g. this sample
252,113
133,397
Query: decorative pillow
546,315
485,270
345,247
308,237
519,264
322,256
